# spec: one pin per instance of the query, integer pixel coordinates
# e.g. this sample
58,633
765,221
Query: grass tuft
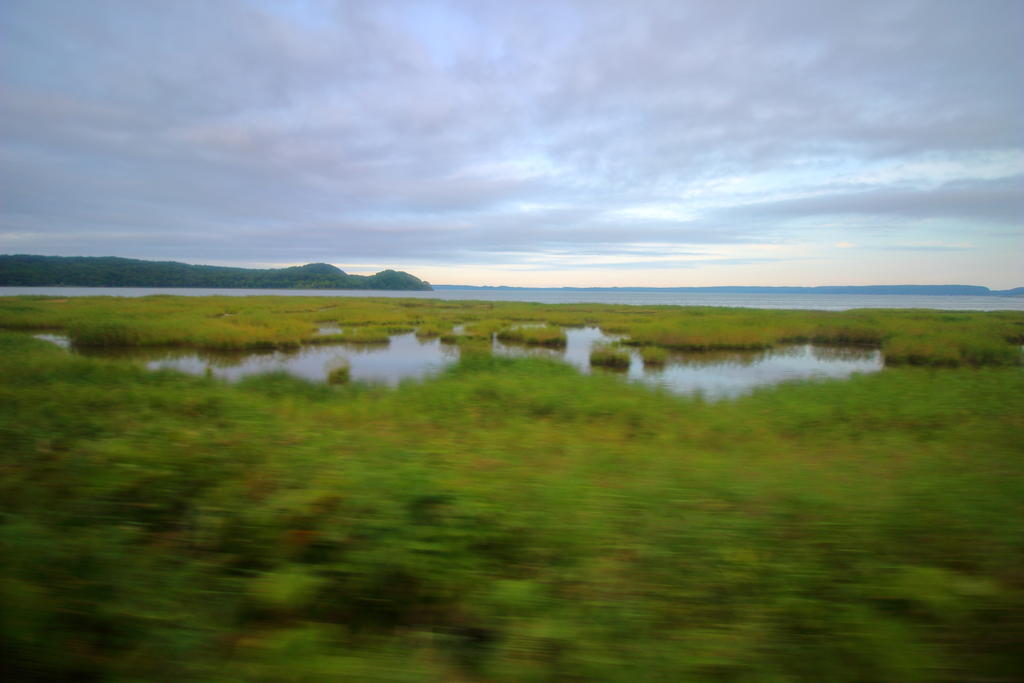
608,356
340,373
654,356
546,335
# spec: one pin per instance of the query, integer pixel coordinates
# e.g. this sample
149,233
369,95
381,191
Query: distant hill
939,290
23,270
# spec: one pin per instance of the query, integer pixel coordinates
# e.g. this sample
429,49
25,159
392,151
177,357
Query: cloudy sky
523,143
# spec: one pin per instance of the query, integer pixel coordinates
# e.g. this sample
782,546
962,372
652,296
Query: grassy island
509,519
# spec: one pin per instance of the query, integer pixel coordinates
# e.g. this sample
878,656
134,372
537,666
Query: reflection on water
714,374
579,341
732,374
405,357
58,339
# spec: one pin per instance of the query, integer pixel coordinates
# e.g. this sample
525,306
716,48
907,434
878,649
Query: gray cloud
994,201
465,132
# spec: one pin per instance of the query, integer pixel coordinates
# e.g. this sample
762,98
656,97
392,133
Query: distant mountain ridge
937,290
26,270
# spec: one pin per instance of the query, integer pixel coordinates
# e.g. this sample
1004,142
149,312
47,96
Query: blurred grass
510,520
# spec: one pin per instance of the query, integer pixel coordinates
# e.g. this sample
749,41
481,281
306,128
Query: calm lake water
716,375
825,302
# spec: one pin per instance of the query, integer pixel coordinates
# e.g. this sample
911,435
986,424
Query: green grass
509,520
431,331
340,373
546,335
608,356
915,337
654,356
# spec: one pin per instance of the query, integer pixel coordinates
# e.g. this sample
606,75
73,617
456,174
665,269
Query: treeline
23,270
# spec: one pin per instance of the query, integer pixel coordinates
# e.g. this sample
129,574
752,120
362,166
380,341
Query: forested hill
21,270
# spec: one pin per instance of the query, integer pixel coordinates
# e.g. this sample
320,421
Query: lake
823,302
713,374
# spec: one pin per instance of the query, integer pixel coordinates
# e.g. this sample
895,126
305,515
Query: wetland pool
713,374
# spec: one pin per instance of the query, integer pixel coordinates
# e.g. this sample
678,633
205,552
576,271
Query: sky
548,143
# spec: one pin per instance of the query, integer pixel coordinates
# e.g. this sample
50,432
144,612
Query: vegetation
906,337
110,271
545,335
430,331
340,373
654,356
510,520
606,355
